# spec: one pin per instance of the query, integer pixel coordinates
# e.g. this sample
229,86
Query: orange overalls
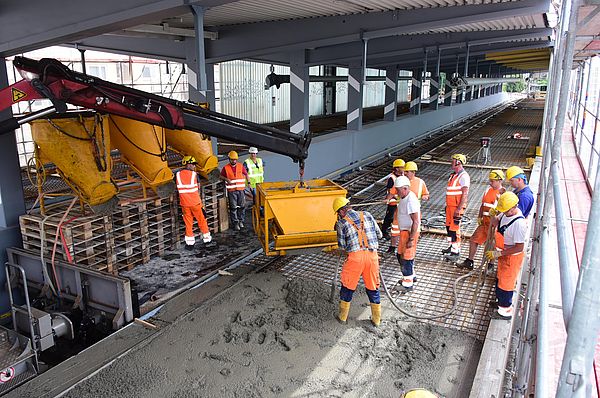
363,262
489,201
453,197
191,204
508,272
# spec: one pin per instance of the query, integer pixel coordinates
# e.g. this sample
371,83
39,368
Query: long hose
442,315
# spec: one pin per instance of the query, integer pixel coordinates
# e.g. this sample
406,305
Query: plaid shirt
348,236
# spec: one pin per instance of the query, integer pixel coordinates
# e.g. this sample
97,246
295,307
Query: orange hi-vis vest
454,190
238,182
187,186
418,187
392,201
489,201
363,241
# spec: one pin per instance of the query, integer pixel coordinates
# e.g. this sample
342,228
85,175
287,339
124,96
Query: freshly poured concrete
271,337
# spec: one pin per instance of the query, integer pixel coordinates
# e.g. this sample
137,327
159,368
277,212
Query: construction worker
489,201
417,185
255,169
397,171
518,181
357,234
513,226
405,229
235,176
190,202
457,193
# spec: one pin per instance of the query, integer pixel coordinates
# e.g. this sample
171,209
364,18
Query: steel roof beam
248,40
60,21
390,46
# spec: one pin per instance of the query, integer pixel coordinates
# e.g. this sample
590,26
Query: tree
515,87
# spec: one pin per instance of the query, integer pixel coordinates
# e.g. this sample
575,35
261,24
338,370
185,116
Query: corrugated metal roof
522,22
248,11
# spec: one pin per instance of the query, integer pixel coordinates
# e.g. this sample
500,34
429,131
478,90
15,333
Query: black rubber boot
467,264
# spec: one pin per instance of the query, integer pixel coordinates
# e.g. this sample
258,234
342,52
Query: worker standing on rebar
489,201
419,188
391,197
358,234
255,169
457,193
235,177
190,202
518,181
513,226
405,229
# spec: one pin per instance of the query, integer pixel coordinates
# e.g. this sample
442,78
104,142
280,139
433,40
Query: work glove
493,212
492,255
479,220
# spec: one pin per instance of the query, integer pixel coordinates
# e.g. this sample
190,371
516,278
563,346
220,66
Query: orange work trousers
361,263
508,271
407,253
191,212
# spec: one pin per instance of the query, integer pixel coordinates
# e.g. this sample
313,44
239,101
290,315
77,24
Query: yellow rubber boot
344,310
375,314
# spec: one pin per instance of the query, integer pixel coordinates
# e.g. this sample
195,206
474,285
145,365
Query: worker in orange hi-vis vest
457,193
235,177
190,202
417,185
488,202
391,198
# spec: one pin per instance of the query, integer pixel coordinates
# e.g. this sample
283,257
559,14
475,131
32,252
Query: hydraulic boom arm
50,79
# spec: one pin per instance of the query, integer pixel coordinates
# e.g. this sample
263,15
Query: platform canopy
397,32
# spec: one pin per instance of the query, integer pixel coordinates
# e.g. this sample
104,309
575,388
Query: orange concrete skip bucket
199,146
296,219
144,148
79,147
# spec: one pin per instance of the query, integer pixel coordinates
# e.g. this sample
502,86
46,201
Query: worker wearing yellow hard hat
418,393
190,202
391,197
513,227
235,177
357,235
489,201
457,193
518,181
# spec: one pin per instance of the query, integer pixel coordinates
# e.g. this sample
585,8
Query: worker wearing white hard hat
256,170
405,229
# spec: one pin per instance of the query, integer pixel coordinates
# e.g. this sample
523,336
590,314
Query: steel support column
299,91
196,59
12,204
434,84
391,93
415,92
448,90
475,92
355,96
329,91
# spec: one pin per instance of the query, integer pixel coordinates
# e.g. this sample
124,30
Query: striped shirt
348,236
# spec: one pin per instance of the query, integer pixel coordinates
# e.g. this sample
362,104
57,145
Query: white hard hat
402,181
253,149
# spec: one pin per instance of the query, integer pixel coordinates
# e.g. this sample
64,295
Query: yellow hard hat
514,171
398,163
339,202
411,166
418,393
496,175
507,201
460,157
188,159
232,155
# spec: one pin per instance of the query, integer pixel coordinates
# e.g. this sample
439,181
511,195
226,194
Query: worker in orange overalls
489,201
191,204
405,229
397,171
235,177
513,226
358,234
419,188
457,193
